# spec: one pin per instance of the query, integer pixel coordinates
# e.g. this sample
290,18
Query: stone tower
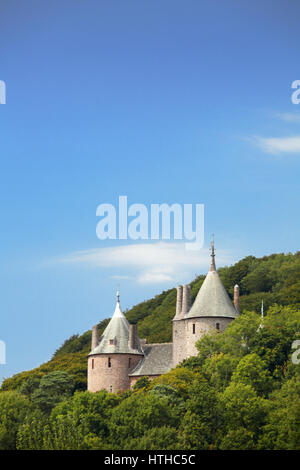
115,355
179,324
212,310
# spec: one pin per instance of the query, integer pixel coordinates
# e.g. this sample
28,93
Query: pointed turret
116,337
116,354
212,299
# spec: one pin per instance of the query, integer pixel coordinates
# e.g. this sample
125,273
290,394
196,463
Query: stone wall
134,378
179,341
112,378
202,326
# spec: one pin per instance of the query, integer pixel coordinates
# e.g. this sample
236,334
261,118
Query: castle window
194,328
111,341
129,362
110,388
92,363
109,362
218,326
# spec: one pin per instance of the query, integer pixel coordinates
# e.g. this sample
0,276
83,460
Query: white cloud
159,262
277,145
154,278
288,117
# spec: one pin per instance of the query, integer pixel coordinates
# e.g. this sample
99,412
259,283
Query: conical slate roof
115,338
212,299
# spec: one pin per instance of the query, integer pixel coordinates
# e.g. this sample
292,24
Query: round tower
115,356
211,311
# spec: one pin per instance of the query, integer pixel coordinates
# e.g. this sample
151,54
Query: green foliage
88,410
141,383
242,391
162,438
179,379
52,389
219,369
80,422
243,408
31,431
13,409
231,396
202,420
238,439
138,414
282,428
74,364
78,343
280,284
252,370
30,386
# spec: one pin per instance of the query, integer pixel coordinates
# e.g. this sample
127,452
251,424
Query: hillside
275,279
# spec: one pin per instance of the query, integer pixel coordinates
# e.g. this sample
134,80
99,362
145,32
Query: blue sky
162,101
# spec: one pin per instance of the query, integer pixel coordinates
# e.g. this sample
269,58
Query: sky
167,101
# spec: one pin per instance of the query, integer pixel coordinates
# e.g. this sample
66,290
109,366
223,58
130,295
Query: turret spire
261,325
212,299
213,264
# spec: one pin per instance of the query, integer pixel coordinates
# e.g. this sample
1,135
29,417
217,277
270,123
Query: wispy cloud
159,262
278,145
288,117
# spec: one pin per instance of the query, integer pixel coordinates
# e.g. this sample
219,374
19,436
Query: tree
31,431
273,342
13,409
203,418
89,410
141,383
29,386
238,439
137,414
162,438
282,428
179,379
252,370
243,408
219,369
53,388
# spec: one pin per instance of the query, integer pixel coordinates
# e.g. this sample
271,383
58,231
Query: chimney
95,337
188,297
236,297
133,343
179,301
186,300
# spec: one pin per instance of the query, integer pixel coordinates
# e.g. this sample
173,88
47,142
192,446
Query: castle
119,358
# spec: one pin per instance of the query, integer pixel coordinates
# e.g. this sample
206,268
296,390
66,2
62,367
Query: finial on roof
213,264
118,296
261,325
